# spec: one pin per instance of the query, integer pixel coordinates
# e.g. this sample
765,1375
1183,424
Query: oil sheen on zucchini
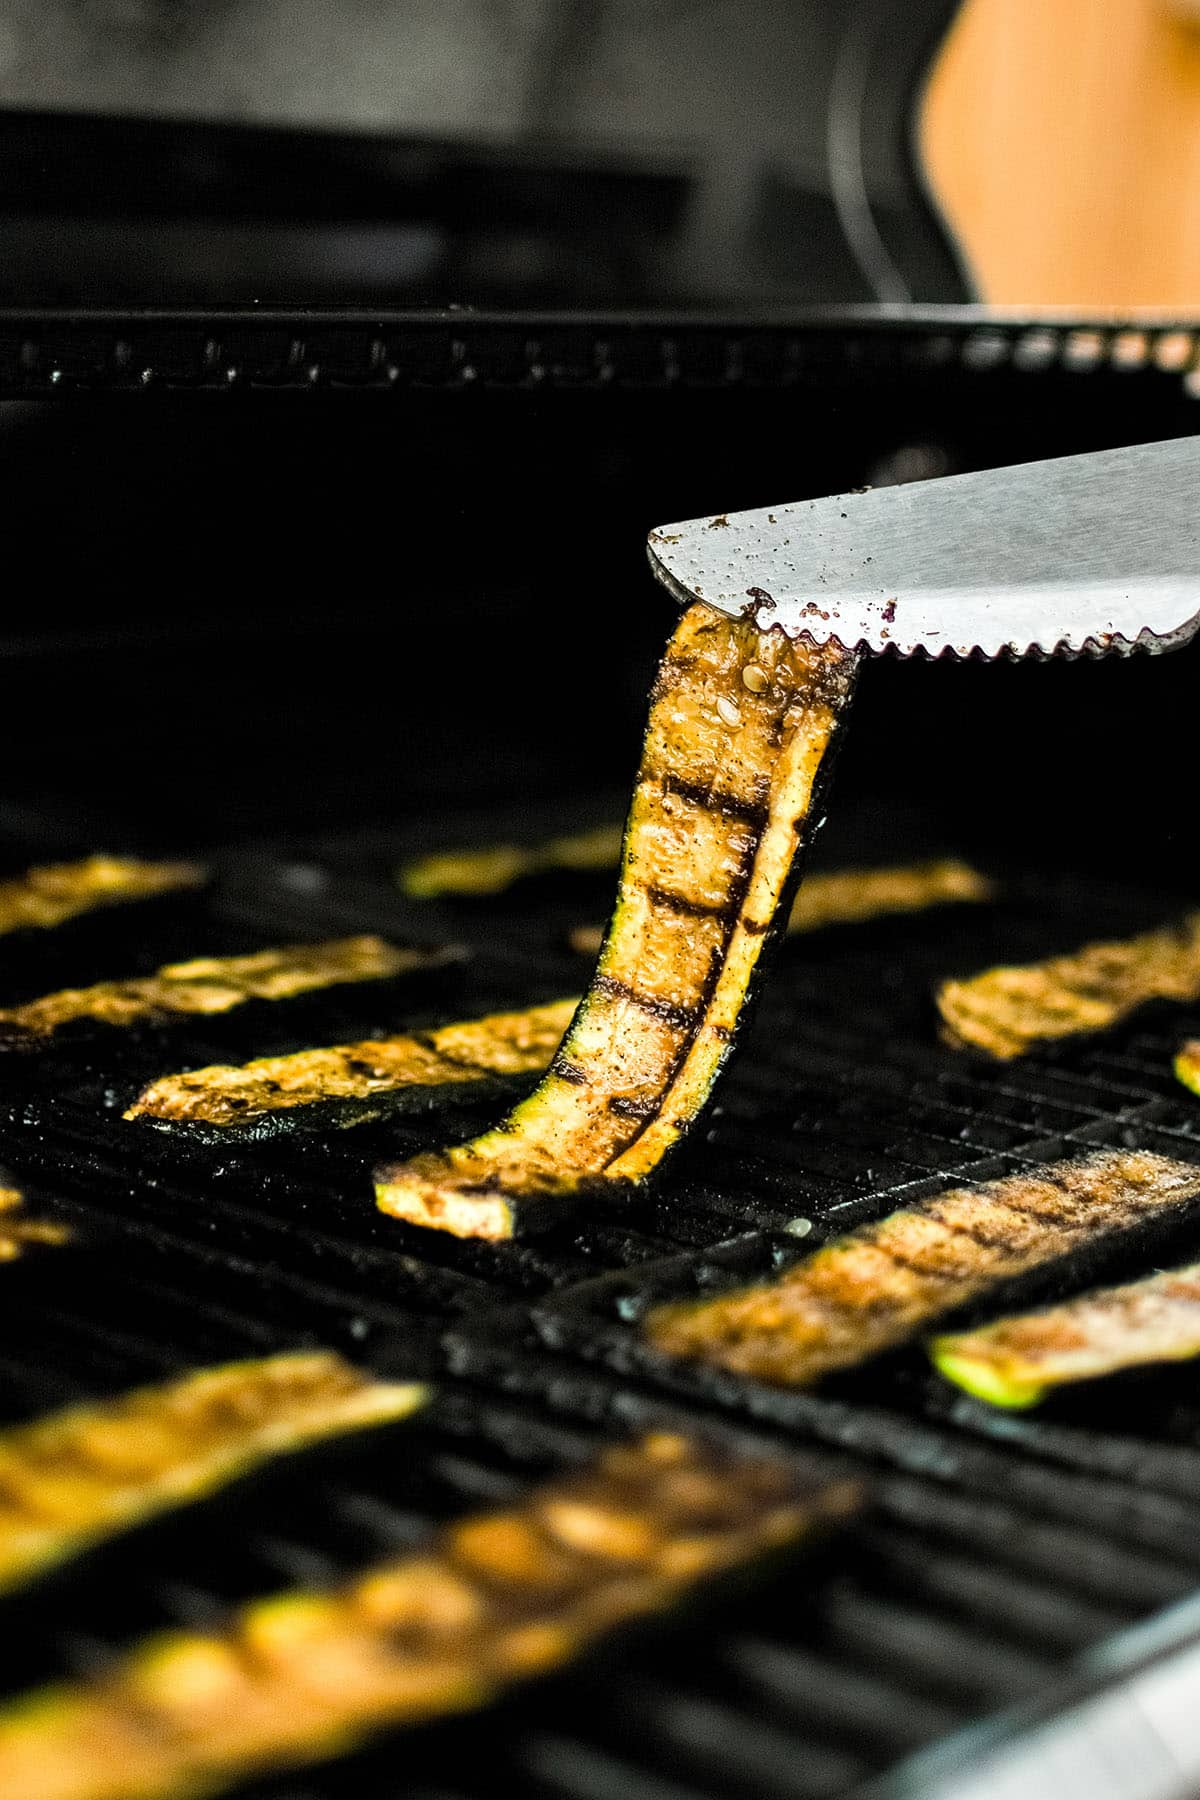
740,721
1017,1361
1008,1010
494,1600
214,984
74,1477
879,1285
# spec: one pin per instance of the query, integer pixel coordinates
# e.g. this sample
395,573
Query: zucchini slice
75,1477
1016,1362
495,867
855,896
354,1078
1187,1065
216,984
1008,1010
494,1600
53,892
19,1233
876,1287
740,722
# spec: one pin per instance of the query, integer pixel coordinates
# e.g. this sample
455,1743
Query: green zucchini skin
740,724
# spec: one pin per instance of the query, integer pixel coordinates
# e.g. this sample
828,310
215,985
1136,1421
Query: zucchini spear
740,722
1008,1010
878,1286
494,1600
74,1477
1016,1362
214,984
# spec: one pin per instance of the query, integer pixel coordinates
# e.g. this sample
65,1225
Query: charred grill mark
725,912
718,800
722,1033
566,1070
626,1108
756,927
681,1018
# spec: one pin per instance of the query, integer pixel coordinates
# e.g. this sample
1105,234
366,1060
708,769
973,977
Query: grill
1000,1553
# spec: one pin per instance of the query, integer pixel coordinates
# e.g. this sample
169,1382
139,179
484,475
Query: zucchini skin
494,1600
1009,1010
875,1288
346,1084
723,802
78,1476
1017,1361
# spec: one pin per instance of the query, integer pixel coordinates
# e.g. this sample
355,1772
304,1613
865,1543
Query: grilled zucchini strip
1007,1011
53,892
740,721
876,1287
18,1232
1187,1065
1016,1362
854,896
71,1479
215,984
495,1600
225,1095
495,867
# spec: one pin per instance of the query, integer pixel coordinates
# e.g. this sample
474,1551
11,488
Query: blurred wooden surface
1062,141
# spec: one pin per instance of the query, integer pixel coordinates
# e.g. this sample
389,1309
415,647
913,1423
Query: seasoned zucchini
70,1479
56,891
1016,1362
739,724
494,867
853,896
19,1233
214,984
351,1077
1187,1065
1006,1011
495,1600
877,1286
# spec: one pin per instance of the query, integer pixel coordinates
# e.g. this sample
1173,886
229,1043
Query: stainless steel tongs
1085,555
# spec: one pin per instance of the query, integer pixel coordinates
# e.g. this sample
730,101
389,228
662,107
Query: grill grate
998,1549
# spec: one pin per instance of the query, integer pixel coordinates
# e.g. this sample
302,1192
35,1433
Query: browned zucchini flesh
1006,1011
492,868
57,891
495,1600
70,1479
854,896
740,721
215,984
19,1232
228,1096
1016,1362
876,1287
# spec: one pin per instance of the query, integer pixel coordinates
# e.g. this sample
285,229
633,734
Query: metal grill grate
998,1549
